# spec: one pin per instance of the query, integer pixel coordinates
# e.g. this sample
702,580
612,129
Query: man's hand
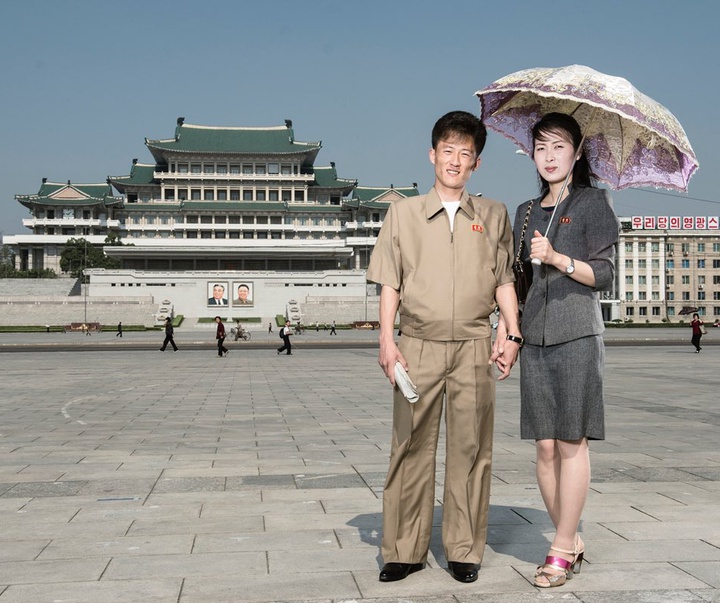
388,355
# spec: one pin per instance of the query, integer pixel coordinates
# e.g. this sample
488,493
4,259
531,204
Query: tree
78,254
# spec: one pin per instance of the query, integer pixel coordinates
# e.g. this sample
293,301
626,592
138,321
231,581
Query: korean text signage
675,222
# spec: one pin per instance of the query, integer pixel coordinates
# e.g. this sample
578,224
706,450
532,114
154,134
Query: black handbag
523,270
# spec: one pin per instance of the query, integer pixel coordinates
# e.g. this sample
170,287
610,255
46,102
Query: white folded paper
406,386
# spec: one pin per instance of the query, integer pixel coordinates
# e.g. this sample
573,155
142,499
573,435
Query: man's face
455,160
243,293
218,291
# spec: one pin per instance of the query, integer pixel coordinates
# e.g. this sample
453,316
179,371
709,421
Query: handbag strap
522,233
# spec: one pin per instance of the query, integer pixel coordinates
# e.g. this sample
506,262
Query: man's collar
433,204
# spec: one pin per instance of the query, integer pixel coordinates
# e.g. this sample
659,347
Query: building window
206,220
686,295
182,168
628,247
670,264
170,194
195,194
247,168
656,279
222,195
196,168
262,234
671,311
684,263
642,247
260,169
247,235
655,311
273,195
234,169
642,280
685,248
701,263
701,295
209,168
209,195
234,194
233,219
671,295
299,196
219,234
655,247
655,264
685,279
286,196
220,219
628,296
273,168
191,219
261,220
629,311
206,234
701,247
716,295
191,234
701,279
642,264
670,279
221,169
642,295
655,296
260,195
247,195
716,263
182,194
716,247
628,263
642,311
286,169
248,219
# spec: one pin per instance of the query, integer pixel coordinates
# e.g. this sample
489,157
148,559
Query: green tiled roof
68,194
326,177
369,193
191,138
301,208
141,174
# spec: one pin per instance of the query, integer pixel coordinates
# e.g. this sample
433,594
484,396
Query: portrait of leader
243,293
216,294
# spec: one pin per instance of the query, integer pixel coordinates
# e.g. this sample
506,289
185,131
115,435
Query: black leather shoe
464,572
392,572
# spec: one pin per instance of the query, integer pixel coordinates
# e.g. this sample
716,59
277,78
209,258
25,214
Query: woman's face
553,153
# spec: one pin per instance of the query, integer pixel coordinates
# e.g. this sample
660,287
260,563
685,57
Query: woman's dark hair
564,124
462,124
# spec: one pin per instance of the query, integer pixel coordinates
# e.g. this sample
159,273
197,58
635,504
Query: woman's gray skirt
561,390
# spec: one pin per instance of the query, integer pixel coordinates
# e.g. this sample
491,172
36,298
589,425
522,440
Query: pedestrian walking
119,330
220,336
285,334
698,330
269,327
332,329
444,261
169,336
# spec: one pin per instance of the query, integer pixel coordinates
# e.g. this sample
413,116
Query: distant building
217,203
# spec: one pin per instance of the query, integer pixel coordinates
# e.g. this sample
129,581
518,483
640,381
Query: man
168,335
332,329
444,260
218,296
243,291
285,333
119,330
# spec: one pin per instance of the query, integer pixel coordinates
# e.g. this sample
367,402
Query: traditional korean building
218,205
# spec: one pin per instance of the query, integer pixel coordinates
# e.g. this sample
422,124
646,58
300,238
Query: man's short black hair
461,124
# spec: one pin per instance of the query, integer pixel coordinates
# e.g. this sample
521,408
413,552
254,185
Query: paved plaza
129,475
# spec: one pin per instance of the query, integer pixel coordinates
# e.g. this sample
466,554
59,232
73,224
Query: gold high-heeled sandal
556,570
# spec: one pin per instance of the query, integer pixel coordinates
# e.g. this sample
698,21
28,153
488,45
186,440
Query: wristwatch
571,267
515,339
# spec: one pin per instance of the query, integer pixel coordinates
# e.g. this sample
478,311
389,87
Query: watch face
571,268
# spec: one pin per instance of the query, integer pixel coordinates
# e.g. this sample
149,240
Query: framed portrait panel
217,293
242,293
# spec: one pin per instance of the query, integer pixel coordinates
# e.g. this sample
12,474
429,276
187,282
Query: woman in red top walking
697,332
220,336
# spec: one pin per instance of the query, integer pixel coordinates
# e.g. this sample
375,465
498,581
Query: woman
562,361
696,332
220,336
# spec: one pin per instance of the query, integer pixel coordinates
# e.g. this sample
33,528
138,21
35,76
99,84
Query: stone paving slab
259,478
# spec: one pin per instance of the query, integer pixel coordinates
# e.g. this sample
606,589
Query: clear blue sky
85,81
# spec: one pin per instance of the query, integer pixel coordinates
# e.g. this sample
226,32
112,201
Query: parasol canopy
630,139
